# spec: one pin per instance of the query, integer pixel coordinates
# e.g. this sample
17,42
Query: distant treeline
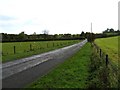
47,37
108,33
39,37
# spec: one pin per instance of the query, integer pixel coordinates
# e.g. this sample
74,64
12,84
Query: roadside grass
23,48
110,47
110,75
73,73
101,76
98,72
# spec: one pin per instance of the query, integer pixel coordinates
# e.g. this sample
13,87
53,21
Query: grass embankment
110,47
107,75
23,49
73,73
98,71
101,76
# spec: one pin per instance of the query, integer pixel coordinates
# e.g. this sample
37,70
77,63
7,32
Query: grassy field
24,49
73,73
109,46
111,33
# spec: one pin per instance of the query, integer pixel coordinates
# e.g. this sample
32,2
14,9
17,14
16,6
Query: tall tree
22,36
45,33
111,30
82,34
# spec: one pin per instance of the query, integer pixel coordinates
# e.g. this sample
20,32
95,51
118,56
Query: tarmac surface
19,73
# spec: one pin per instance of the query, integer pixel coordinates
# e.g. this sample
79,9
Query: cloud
58,16
15,26
12,24
6,18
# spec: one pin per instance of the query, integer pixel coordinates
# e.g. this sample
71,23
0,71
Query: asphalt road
19,73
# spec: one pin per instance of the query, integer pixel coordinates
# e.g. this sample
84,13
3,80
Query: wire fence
113,68
28,47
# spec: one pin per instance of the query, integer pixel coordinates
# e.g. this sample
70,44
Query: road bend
19,73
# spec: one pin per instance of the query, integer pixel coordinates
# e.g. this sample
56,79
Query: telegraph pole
91,34
91,27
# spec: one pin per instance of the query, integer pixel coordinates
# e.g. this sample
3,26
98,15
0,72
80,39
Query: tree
22,36
91,37
60,35
34,33
55,36
111,30
45,34
82,34
106,31
67,35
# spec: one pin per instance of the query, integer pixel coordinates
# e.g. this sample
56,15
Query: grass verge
101,76
73,73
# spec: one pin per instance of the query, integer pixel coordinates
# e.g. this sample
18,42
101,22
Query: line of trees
111,30
41,37
47,37
108,33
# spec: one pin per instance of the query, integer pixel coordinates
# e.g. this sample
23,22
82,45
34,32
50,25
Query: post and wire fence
112,67
26,48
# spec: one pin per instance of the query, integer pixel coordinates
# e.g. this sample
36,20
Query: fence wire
112,67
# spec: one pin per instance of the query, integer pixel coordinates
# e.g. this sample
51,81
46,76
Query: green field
73,73
110,47
23,49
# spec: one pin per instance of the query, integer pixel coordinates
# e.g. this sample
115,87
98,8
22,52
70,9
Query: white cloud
59,16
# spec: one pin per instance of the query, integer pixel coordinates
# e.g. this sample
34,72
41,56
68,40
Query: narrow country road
19,73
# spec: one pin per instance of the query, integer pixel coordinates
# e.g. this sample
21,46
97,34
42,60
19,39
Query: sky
57,16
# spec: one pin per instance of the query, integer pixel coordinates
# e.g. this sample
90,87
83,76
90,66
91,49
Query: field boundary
111,67
14,51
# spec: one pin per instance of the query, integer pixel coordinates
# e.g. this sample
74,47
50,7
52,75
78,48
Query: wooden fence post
47,45
30,47
106,60
53,44
100,52
14,50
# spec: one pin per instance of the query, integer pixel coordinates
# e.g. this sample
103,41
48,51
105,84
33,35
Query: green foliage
22,36
91,37
39,37
98,72
23,48
72,73
82,34
102,76
109,30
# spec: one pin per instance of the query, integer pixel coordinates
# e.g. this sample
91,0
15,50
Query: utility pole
91,27
119,15
91,34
